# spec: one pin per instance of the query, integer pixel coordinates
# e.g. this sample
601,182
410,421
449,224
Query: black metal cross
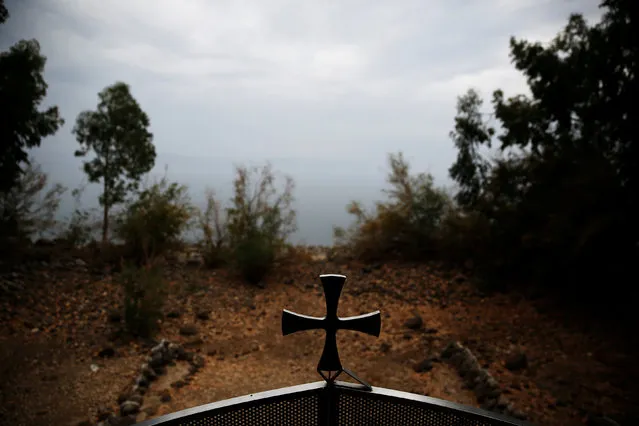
367,323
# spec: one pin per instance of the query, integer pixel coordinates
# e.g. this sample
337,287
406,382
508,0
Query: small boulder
188,330
165,395
517,362
202,315
107,352
129,407
115,316
414,322
423,366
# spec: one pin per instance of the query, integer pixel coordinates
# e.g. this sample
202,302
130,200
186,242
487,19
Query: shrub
213,225
407,224
81,225
29,209
144,296
152,224
259,221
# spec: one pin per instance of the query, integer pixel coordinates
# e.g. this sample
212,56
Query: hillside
63,332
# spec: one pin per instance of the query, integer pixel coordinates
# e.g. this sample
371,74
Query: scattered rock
384,347
517,362
414,323
107,352
136,398
81,422
165,395
173,314
423,366
178,384
193,342
202,315
115,316
129,407
188,330
210,350
104,412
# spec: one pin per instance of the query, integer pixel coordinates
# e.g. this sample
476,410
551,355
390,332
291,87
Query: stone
173,314
423,366
148,372
156,360
450,350
129,407
384,347
178,384
107,352
517,362
142,382
136,397
115,316
104,412
202,315
193,342
174,350
414,322
165,395
188,330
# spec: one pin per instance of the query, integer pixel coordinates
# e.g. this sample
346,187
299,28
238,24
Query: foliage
81,225
29,208
22,90
558,207
117,134
259,220
407,224
144,294
154,221
213,224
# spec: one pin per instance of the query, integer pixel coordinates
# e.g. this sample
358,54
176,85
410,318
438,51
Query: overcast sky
322,89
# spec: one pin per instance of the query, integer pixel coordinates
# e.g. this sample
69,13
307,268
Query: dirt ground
51,338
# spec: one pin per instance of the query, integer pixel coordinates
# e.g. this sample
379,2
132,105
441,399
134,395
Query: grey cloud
322,89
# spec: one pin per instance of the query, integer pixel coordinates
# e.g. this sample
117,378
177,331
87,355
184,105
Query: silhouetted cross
367,323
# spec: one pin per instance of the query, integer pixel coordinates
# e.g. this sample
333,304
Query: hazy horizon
322,90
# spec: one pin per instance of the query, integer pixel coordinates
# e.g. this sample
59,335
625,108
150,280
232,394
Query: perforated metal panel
302,411
359,410
343,404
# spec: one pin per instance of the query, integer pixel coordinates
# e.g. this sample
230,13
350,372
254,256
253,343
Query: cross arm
293,322
367,323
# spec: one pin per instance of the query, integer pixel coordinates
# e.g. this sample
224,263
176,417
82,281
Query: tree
22,124
30,207
117,133
470,168
562,198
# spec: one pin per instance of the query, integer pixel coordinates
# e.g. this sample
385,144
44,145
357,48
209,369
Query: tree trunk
105,218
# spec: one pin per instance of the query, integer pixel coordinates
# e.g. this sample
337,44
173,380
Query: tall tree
117,134
563,199
22,124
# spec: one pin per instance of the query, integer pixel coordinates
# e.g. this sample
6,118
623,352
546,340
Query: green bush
259,221
144,296
81,225
254,257
152,224
29,208
214,229
407,225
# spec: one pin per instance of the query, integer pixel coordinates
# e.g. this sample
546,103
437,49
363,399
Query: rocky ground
65,361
